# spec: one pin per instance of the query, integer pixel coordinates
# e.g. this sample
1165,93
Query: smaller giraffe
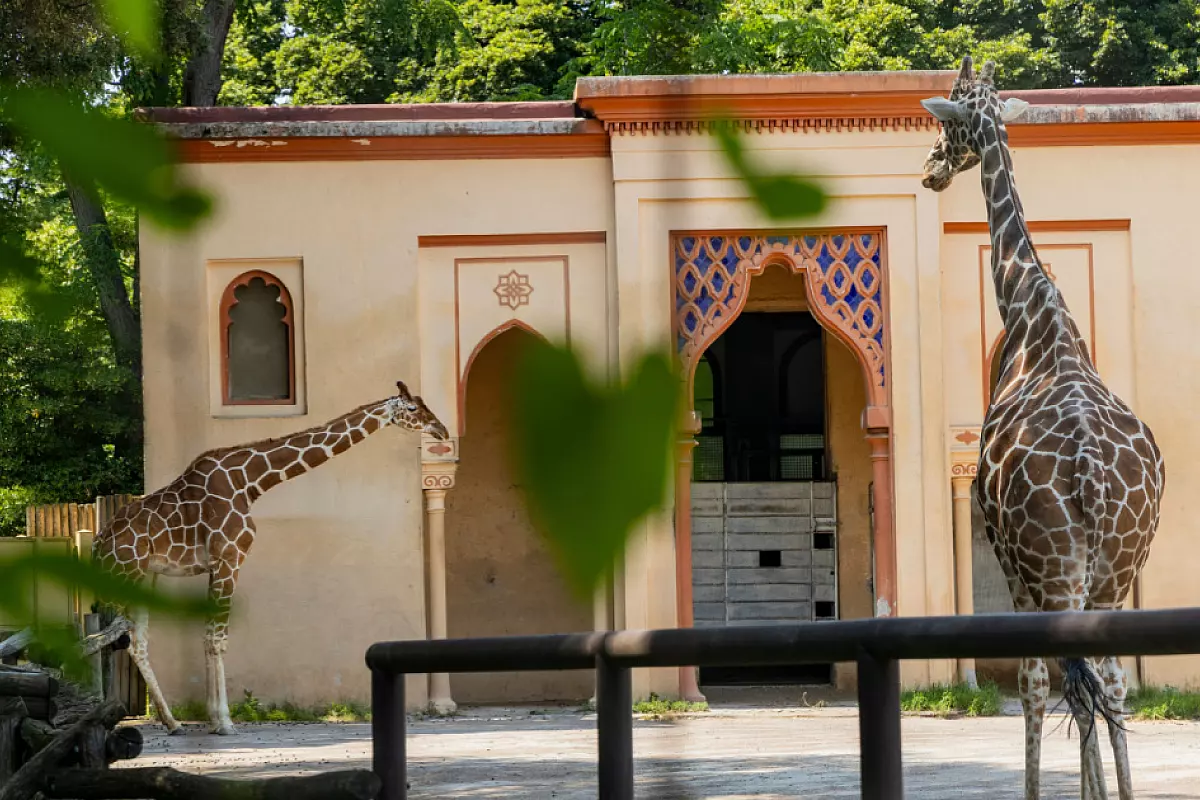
200,524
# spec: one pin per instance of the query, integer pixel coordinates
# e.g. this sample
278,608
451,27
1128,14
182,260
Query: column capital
438,476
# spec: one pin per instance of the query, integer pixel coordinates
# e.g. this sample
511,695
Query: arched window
258,341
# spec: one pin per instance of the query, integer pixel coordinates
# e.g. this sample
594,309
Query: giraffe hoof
224,730
176,731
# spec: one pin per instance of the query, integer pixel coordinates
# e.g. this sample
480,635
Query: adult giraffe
200,523
1069,478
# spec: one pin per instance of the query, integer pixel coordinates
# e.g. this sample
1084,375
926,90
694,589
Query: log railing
877,645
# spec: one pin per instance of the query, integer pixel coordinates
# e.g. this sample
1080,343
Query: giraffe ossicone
200,524
1069,479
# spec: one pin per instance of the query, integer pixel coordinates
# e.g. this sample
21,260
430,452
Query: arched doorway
781,476
837,279
500,577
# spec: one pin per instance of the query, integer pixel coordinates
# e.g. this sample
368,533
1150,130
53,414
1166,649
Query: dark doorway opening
760,393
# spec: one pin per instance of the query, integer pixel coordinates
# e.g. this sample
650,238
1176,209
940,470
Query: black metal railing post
879,727
614,728
388,732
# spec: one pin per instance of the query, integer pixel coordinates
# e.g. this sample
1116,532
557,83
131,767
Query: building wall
342,552
501,578
338,560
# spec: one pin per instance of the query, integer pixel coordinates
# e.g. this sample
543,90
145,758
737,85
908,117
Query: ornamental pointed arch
845,276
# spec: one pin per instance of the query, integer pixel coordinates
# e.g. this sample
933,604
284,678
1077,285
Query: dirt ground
737,750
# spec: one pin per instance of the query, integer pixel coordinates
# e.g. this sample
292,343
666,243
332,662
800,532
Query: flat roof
604,106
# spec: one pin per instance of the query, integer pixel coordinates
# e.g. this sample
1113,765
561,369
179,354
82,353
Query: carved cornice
785,113
434,451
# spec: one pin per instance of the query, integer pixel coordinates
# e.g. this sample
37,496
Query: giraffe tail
1083,692
1083,688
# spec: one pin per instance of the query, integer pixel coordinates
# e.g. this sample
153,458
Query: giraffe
200,524
1070,480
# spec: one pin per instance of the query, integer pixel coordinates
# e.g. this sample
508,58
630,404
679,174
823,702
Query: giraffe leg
221,584
1115,688
139,652
1033,682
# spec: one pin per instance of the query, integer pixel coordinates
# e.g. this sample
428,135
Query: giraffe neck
270,463
1035,316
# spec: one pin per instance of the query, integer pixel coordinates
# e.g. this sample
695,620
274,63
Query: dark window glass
259,342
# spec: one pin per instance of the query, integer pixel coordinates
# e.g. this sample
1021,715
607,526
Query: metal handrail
877,645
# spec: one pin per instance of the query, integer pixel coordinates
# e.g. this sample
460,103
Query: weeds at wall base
953,699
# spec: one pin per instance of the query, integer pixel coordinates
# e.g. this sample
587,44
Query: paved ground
729,753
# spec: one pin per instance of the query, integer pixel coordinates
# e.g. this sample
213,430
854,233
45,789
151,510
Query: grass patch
251,709
1157,703
657,706
954,699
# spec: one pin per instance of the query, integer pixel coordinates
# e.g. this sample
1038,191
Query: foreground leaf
130,160
136,22
593,459
59,644
780,196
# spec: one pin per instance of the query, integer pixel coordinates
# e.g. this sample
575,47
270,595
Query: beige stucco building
839,365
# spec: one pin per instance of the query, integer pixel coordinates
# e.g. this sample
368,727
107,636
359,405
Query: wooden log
27,684
91,627
31,777
12,712
116,630
13,645
41,707
123,744
164,783
37,734
90,745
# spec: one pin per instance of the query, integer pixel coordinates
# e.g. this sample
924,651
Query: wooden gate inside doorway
764,553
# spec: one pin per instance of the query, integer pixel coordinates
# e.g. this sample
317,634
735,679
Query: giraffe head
411,413
973,105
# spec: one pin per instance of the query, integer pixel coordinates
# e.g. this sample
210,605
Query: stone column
961,477
437,478
689,688
877,425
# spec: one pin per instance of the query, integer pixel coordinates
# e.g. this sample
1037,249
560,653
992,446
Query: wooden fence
69,528
64,519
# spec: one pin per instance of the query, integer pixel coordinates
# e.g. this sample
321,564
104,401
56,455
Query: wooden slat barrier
73,527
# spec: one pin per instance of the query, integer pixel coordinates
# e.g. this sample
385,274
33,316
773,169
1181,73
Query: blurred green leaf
130,160
136,22
59,644
593,459
781,197
68,570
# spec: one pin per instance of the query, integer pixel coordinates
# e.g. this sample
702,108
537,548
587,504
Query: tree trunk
124,327
104,263
164,783
202,81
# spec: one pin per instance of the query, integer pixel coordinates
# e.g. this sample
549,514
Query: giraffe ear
1013,108
945,110
988,73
